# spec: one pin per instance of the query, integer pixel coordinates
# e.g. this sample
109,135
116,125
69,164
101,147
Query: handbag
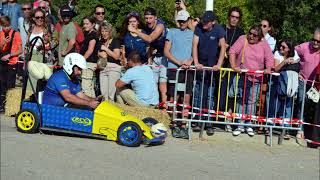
313,94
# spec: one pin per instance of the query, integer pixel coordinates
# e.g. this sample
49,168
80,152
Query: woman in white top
287,63
37,65
266,30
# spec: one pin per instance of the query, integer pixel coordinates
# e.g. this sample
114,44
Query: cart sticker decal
84,121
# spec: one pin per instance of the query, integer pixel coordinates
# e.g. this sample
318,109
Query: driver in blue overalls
63,87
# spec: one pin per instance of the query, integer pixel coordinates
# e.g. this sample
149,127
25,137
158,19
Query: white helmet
74,59
159,130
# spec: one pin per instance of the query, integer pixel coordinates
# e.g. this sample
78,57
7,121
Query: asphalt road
45,156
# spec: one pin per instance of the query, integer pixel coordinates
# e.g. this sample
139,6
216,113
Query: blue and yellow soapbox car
107,121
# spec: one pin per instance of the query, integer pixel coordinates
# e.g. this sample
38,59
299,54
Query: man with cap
68,33
178,50
208,36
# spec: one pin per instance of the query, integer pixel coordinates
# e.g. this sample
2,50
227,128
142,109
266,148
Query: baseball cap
182,15
66,11
208,16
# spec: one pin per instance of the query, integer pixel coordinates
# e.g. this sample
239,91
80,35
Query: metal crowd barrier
236,102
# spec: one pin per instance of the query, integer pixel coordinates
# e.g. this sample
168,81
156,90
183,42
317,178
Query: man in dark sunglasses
45,6
13,10
99,15
24,23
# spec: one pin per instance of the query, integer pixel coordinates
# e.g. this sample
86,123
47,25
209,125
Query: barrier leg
270,136
280,138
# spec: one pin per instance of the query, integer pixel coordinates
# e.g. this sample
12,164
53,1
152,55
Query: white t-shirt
279,57
39,43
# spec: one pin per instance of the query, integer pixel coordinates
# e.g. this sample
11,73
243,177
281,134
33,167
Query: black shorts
171,74
8,75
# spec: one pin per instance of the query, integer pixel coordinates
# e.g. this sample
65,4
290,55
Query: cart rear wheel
27,122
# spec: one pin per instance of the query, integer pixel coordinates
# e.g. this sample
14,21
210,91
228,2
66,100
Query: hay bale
13,98
143,112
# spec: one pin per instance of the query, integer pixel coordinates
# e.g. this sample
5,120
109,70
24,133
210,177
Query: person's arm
90,49
222,44
71,44
84,96
120,84
236,50
149,38
74,99
195,43
268,59
115,54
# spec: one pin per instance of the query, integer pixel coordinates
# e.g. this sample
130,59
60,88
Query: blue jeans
251,97
205,93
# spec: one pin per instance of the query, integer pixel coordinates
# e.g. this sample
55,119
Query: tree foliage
294,19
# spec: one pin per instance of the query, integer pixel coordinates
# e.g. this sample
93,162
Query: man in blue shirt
144,88
63,87
208,36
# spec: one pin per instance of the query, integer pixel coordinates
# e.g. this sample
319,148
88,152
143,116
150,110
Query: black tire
149,121
132,138
27,121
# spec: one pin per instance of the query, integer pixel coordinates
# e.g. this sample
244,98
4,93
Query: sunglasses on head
39,17
254,35
135,14
100,13
316,41
24,9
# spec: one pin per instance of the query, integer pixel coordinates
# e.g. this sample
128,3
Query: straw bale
13,98
143,112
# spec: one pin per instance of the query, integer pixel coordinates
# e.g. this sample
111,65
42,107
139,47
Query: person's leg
130,97
253,96
87,83
160,72
114,73
103,76
3,84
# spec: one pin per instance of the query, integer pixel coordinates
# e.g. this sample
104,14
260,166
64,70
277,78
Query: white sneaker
237,132
249,131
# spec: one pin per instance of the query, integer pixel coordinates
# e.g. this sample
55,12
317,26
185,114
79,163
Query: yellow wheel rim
26,121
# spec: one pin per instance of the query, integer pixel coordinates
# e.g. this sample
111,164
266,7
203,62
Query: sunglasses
252,34
24,9
39,17
100,13
316,41
42,7
236,17
263,25
181,21
178,1
283,47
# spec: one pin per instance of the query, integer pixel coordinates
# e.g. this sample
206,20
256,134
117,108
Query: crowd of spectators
133,66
